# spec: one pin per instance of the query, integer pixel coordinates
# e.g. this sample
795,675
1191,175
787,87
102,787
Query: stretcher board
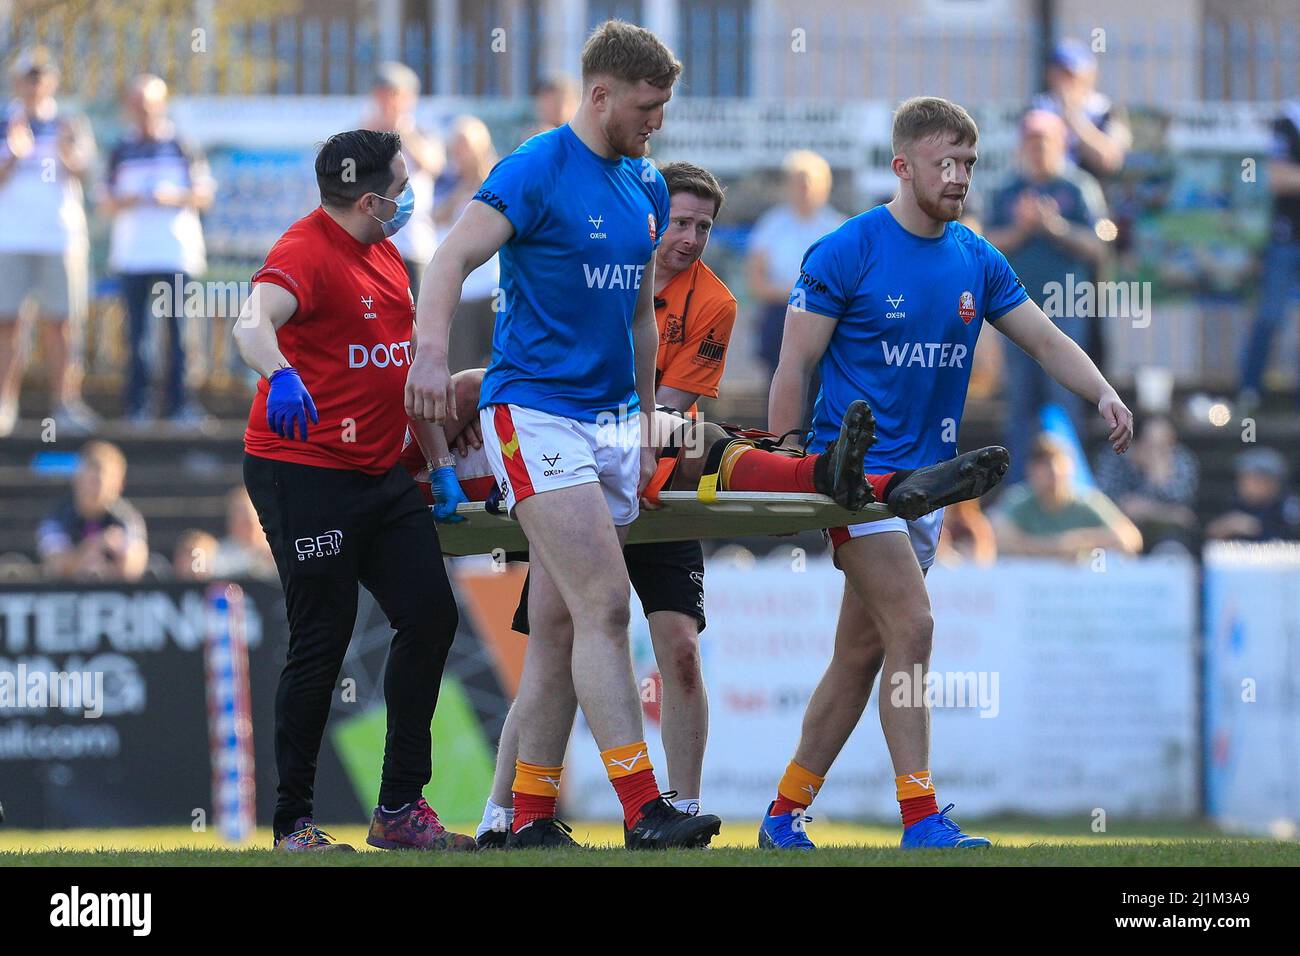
682,517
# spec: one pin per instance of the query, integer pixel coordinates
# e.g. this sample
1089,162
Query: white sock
495,817
689,805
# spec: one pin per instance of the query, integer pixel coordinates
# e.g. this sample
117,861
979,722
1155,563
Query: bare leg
572,537
548,618
685,706
884,621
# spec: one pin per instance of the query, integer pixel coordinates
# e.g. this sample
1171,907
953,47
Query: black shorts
667,576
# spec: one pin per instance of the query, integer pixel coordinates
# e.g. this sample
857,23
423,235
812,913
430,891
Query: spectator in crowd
194,558
45,153
1045,222
393,97
157,186
1280,266
244,551
96,533
781,237
1154,484
1098,133
1262,508
555,100
967,536
471,157
1048,517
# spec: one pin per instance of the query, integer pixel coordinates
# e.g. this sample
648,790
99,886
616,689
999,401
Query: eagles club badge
966,307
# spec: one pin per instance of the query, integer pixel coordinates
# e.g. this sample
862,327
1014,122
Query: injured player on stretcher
707,458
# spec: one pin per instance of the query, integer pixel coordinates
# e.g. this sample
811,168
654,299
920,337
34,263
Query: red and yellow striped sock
536,790
746,468
633,778
796,790
916,797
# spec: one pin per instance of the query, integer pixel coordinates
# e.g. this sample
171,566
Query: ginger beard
940,176
631,113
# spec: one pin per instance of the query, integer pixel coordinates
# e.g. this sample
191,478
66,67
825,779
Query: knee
550,624
611,616
912,633
680,662
616,617
430,621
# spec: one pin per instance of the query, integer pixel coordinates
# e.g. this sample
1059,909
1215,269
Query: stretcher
681,517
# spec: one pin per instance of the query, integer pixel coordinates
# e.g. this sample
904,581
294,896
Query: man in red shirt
330,327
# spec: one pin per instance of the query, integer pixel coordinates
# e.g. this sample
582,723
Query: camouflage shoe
415,827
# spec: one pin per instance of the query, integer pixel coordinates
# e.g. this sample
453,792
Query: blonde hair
812,165
924,117
629,53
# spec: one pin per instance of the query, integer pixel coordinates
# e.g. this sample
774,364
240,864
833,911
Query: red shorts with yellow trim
532,451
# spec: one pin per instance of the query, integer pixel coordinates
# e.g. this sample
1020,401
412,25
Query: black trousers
332,529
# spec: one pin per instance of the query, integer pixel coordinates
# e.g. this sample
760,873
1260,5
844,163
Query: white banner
1057,689
1252,687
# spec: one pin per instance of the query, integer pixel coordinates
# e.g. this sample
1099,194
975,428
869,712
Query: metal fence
500,47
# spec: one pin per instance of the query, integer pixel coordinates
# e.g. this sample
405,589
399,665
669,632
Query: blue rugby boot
937,830
784,832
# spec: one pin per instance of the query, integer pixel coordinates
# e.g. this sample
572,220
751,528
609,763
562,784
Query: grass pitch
1016,843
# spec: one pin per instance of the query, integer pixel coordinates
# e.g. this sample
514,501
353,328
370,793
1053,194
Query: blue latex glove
447,494
288,404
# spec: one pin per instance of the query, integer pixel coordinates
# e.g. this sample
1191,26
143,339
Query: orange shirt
696,312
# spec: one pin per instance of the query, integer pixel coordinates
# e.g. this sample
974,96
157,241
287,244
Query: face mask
405,203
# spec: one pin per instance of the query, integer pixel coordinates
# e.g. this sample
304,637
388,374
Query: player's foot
663,826
307,836
838,471
957,479
492,840
415,827
548,833
784,832
937,830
